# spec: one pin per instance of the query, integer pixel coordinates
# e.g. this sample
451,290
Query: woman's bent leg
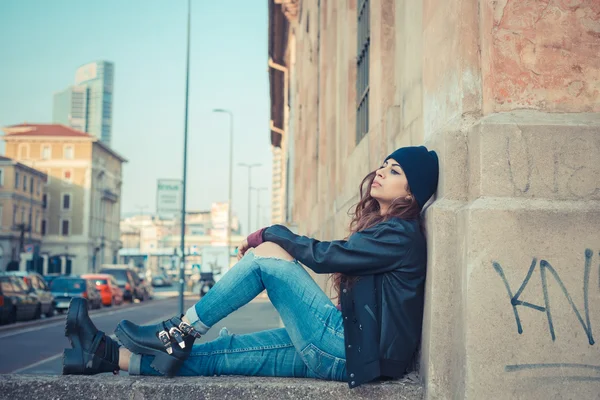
266,353
313,323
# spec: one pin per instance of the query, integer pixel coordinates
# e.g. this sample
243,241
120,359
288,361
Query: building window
69,152
1,177
68,176
362,70
66,201
31,185
37,222
23,151
24,183
47,172
39,187
14,221
17,179
22,215
43,227
46,152
0,220
45,201
65,227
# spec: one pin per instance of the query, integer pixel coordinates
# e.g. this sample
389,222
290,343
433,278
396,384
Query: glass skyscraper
87,105
70,107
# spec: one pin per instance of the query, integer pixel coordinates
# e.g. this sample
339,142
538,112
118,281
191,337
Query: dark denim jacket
383,310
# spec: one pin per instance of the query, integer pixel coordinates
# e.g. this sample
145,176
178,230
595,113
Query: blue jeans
310,346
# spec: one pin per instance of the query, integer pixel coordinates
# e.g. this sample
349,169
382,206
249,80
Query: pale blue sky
43,42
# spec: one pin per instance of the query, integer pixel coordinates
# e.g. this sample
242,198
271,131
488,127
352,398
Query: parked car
36,286
206,282
161,280
109,290
67,287
128,280
50,277
16,303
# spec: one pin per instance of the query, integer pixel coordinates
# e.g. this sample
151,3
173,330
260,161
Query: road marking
45,360
59,317
62,321
54,357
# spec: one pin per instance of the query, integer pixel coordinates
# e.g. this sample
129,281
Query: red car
106,284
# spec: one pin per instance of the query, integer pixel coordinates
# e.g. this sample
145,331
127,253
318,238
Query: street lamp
185,140
221,110
249,166
258,190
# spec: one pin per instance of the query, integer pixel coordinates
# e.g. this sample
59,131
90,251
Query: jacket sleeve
378,249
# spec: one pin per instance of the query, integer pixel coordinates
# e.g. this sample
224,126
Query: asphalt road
38,348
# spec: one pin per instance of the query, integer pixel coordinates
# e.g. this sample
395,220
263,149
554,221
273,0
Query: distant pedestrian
372,333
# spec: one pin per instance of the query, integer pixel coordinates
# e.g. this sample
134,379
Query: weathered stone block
534,155
531,299
442,351
541,54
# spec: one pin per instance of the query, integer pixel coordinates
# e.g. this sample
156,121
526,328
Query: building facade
83,193
278,194
87,105
70,107
22,190
507,94
152,242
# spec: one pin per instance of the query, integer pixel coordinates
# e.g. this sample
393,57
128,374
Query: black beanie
421,168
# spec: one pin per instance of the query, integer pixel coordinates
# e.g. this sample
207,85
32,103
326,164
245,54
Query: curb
184,388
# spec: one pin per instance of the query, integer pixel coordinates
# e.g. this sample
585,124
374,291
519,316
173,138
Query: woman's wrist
256,238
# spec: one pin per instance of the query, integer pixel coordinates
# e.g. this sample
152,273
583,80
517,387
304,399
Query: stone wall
541,55
514,260
507,92
514,247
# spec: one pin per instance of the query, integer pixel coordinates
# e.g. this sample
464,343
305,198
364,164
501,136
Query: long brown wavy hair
367,213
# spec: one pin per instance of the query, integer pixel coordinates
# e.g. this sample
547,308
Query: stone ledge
223,387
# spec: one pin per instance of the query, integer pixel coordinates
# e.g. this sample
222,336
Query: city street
38,349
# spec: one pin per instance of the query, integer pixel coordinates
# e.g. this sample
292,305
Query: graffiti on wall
582,313
547,269
564,172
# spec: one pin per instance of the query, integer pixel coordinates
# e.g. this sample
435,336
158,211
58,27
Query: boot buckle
176,333
187,329
163,336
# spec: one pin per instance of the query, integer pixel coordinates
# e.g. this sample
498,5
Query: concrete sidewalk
223,387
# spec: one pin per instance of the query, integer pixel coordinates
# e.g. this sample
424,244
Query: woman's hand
252,241
242,249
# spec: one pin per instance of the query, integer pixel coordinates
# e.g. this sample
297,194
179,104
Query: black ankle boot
92,351
170,342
